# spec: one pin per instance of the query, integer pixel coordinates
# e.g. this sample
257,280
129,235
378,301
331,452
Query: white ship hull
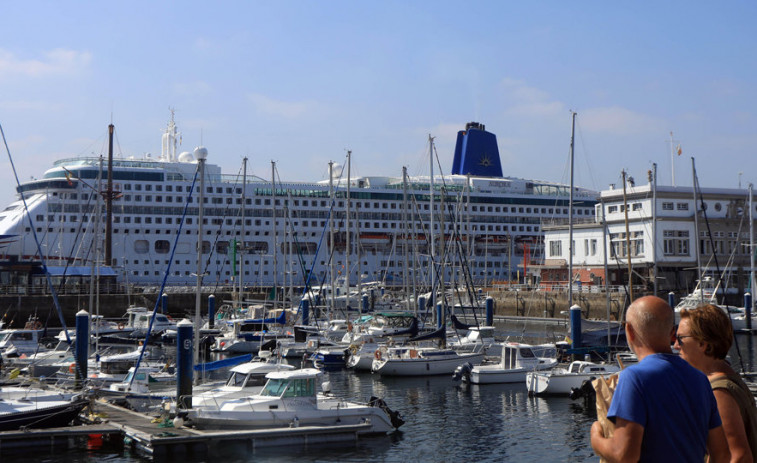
151,195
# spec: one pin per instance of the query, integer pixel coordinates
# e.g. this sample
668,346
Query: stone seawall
18,308
554,304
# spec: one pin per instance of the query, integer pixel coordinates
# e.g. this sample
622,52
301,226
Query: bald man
663,408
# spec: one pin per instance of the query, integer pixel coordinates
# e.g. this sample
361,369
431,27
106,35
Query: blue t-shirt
674,403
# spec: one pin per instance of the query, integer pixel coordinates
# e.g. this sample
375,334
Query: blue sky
301,82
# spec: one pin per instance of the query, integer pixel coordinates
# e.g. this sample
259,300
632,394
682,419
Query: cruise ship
266,232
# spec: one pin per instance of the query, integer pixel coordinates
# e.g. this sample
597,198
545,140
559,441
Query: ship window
179,188
148,187
162,246
138,187
141,246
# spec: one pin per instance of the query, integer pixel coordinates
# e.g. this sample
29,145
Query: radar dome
201,153
186,156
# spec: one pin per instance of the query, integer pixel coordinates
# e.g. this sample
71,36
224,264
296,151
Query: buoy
377,354
121,326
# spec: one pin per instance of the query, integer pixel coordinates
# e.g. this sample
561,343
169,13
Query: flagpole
672,161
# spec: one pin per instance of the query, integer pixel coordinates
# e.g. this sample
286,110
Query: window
675,242
612,209
682,206
667,206
636,206
555,248
162,247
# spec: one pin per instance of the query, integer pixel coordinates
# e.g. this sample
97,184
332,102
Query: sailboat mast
695,241
332,280
348,243
240,244
752,252
109,202
654,227
275,238
431,223
405,230
628,239
570,214
201,155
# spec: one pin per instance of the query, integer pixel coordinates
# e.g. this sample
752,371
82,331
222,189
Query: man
663,408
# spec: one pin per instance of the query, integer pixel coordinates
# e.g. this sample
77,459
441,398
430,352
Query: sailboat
559,380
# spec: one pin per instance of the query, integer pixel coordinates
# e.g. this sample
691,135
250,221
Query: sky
302,82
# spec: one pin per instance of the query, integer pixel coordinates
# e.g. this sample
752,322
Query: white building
670,243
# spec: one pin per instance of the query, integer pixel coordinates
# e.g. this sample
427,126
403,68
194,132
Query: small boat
290,399
22,408
560,381
421,361
244,380
516,361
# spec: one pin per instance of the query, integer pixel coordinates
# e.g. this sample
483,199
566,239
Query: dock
153,439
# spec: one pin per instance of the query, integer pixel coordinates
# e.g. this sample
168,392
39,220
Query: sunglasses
680,338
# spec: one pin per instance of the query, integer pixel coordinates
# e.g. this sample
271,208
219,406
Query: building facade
666,232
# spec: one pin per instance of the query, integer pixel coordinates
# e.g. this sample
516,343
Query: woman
703,339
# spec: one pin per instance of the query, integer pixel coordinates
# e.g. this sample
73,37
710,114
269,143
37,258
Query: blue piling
671,299
489,304
439,315
421,305
364,306
748,310
211,311
575,326
305,312
82,346
164,303
184,364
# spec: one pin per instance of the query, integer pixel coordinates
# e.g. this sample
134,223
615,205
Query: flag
678,150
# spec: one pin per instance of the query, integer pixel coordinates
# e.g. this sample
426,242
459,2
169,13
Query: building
658,229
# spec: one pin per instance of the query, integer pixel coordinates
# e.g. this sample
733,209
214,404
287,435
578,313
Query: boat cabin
589,367
292,384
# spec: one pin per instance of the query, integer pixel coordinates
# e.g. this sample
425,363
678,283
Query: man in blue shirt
663,408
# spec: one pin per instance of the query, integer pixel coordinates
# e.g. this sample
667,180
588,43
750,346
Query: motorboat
244,380
290,399
515,362
22,407
560,381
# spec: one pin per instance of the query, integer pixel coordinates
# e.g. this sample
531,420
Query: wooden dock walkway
154,439
149,439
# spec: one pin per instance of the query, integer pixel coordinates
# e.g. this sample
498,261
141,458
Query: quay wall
17,309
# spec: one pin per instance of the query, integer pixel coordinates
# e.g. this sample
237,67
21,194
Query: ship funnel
476,152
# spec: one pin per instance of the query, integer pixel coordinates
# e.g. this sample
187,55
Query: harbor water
446,421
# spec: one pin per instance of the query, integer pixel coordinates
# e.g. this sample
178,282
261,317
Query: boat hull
424,366
44,415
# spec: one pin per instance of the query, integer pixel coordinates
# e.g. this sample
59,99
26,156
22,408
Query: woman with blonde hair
703,339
